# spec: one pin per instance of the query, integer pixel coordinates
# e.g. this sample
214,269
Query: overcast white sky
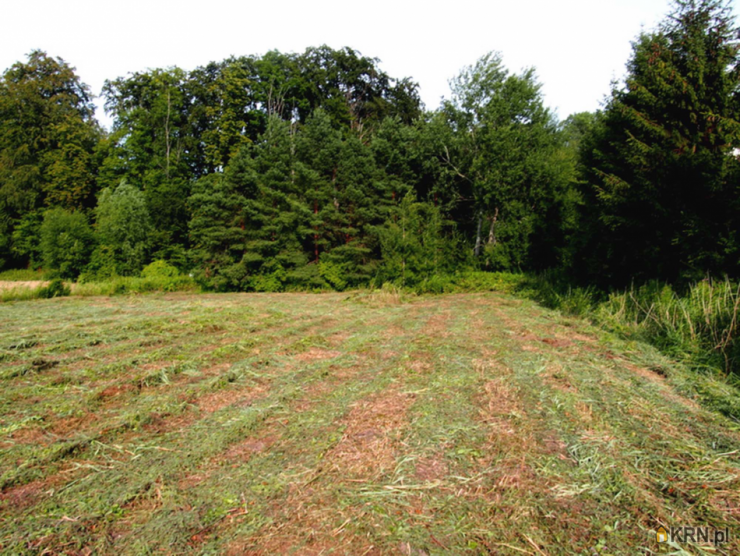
577,46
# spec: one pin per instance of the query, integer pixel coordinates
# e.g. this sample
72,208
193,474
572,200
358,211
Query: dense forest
319,170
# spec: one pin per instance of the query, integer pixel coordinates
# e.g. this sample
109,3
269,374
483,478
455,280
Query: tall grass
22,275
700,325
114,286
128,285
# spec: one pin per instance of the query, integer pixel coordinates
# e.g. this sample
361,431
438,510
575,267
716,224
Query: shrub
66,242
124,229
159,269
333,274
55,289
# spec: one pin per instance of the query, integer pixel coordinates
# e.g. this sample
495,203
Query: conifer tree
662,201
217,228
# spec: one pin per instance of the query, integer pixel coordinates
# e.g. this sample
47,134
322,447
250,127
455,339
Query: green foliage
272,282
26,238
414,245
159,269
123,230
508,157
124,285
333,273
47,142
66,242
699,325
56,288
661,200
22,275
217,231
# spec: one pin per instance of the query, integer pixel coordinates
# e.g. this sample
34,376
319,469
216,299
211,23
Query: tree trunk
476,251
167,134
492,231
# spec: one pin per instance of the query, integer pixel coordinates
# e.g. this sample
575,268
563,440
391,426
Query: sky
578,47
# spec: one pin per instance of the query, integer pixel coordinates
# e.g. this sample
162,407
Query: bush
333,274
55,289
124,229
66,242
159,269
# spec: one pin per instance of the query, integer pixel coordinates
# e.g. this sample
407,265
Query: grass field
347,424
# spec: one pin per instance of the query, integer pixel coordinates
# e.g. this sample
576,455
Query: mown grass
375,423
698,326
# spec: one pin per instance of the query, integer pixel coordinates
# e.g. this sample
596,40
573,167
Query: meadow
348,423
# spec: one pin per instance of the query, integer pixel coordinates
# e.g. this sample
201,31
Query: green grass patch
376,421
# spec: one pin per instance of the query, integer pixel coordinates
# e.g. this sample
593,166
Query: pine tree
217,228
662,201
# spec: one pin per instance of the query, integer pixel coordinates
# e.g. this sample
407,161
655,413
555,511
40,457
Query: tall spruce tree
662,200
218,229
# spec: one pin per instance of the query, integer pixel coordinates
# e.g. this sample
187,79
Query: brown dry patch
490,365
317,354
556,378
28,284
392,331
437,326
585,412
234,456
114,391
345,372
23,496
666,390
29,435
213,370
421,362
312,395
557,342
652,376
515,473
337,338
372,432
164,423
67,426
192,480
498,399
498,402
478,330
726,502
311,524
583,338
215,401
529,342
431,468
244,450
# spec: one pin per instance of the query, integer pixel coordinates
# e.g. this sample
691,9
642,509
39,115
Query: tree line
319,170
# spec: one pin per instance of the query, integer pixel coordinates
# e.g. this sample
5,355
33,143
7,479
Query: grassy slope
335,423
